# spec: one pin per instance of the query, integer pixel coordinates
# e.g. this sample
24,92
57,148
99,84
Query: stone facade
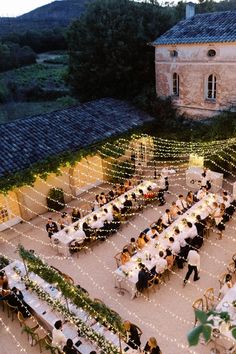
27,202
193,66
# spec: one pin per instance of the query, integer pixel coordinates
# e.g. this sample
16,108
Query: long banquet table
48,316
75,232
127,275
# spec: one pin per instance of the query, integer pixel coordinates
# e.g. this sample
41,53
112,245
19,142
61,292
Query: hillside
57,10
53,15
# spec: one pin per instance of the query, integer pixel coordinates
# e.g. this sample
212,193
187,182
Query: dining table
47,316
74,232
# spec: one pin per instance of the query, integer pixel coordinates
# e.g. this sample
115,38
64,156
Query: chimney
190,10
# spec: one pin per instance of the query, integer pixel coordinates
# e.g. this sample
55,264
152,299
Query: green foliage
109,55
14,56
121,171
206,325
3,262
55,199
100,311
33,82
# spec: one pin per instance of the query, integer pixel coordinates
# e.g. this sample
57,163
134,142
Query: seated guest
153,233
161,264
58,338
51,227
132,246
96,223
75,215
174,246
144,275
3,280
134,201
96,205
87,229
218,217
127,205
69,348
174,211
18,293
159,225
201,193
125,256
142,240
12,299
166,218
103,199
116,217
107,215
190,199
64,220
200,226
227,285
170,259
190,231
112,194
141,200
121,189
181,203
133,336
151,347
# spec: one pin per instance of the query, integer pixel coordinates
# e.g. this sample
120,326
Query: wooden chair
38,336
11,310
50,347
209,296
234,257
231,268
118,260
221,279
197,305
29,322
151,284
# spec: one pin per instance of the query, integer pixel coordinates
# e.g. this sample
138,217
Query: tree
109,47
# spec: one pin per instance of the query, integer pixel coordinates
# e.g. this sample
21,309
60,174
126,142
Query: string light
217,146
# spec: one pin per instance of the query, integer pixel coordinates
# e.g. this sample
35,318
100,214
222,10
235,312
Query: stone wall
193,66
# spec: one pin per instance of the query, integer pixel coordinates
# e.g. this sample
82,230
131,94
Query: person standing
51,227
193,266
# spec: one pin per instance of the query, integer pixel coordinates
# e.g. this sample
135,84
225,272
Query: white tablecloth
128,273
48,317
69,234
194,174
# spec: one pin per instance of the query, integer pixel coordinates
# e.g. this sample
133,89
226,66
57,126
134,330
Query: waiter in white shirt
193,265
58,338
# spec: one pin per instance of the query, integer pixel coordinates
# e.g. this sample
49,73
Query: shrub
3,262
55,199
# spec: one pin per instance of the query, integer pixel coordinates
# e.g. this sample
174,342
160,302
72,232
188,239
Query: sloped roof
29,140
202,28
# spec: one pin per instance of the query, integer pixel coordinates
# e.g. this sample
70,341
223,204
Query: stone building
195,63
29,141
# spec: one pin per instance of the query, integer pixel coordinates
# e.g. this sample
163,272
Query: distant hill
57,10
53,15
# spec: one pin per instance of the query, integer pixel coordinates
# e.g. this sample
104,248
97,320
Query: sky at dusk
19,7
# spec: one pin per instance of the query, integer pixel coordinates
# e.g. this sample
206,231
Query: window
175,84
211,53
211,87
4,216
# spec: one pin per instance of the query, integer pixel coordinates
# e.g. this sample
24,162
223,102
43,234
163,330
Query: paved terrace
168,314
